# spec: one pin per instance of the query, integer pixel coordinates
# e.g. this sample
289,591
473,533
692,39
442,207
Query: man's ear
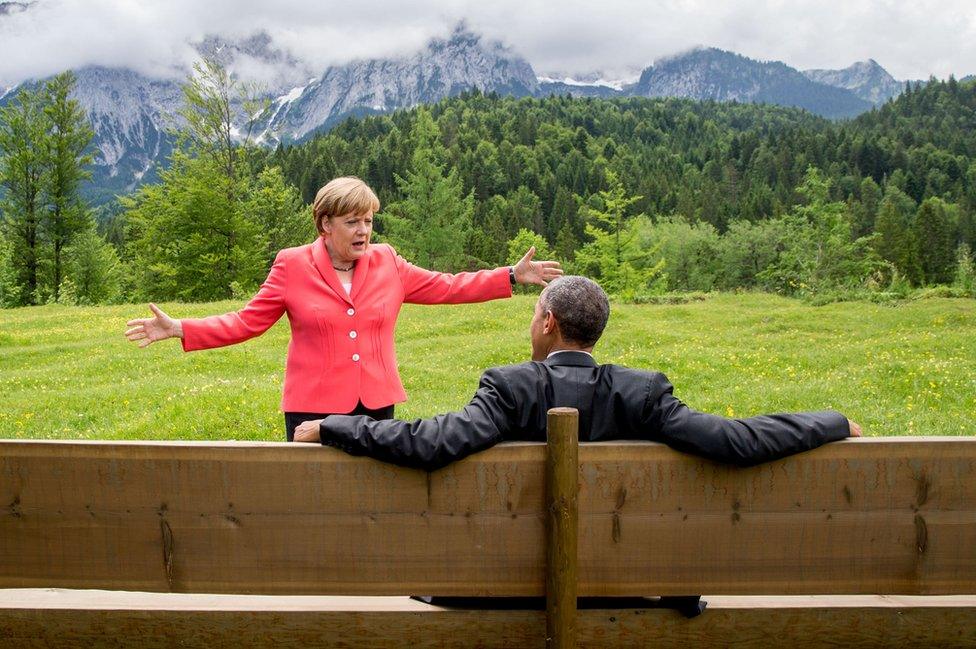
549,323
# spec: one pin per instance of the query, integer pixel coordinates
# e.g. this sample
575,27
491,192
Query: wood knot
168,544
921,534
621,497
922,490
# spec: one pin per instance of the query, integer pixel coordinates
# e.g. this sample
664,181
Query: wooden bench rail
55,619
873,516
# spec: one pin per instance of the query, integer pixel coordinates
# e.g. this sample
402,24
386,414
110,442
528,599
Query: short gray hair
580,307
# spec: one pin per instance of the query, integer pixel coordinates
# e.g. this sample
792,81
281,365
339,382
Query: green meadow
902,369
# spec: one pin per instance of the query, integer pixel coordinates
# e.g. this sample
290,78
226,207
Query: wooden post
562,527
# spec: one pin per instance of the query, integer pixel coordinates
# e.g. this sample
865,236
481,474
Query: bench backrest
883,516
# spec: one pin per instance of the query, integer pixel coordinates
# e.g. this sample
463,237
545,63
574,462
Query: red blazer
341,350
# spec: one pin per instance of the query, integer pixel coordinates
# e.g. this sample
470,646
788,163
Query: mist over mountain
275,71
444,68
130,112
8,8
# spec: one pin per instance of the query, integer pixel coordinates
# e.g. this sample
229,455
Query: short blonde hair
341,196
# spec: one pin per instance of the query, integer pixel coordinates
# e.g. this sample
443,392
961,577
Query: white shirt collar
563,351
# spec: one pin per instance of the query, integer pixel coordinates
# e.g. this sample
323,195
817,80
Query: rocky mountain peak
719,75
866,79
130,112
443,68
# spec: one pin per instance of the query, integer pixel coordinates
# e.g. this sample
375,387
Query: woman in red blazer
342,296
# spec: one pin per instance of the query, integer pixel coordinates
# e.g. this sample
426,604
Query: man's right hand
855,429
146,331
308,431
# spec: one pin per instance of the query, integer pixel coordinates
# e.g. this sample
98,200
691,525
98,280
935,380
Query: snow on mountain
442,69
130,112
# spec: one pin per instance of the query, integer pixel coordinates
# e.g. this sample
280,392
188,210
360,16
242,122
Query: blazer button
351,312
355,357
353,334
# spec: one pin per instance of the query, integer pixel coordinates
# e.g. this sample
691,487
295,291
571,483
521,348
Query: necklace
343,270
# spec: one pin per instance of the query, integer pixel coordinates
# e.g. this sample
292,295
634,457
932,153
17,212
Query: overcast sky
910,38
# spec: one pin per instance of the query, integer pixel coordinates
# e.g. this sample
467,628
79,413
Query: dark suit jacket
614,402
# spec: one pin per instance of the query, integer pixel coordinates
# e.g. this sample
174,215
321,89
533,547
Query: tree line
723,192
645,195
49,247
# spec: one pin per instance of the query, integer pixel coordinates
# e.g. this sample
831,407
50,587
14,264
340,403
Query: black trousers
292,419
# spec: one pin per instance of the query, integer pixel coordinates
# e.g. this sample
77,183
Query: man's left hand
308,431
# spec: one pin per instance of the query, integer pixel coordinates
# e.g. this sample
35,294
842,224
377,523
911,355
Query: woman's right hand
146,331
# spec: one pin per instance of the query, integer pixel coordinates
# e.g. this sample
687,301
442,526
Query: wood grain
562,526
879,516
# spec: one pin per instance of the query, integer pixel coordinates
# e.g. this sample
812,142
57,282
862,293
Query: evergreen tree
432,222
9,288
68,159
818,251
565,215
492,231
613,255
566,244
24,129
276,208
865,211
895,240
936,247
93,272
525,210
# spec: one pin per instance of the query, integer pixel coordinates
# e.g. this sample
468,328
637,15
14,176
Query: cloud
911,38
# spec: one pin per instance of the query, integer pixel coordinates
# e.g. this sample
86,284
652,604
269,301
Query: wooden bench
845,545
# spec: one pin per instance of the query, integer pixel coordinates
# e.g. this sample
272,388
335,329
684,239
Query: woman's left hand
308,431
536,272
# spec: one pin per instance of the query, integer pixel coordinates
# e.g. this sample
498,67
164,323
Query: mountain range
131,112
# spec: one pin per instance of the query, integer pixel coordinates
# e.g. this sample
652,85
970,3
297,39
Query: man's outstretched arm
743,442
427,444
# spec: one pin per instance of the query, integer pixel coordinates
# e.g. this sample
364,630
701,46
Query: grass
909,369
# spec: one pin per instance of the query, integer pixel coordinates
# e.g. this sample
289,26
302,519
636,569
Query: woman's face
348,236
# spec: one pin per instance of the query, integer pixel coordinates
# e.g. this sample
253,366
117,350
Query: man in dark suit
614,402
